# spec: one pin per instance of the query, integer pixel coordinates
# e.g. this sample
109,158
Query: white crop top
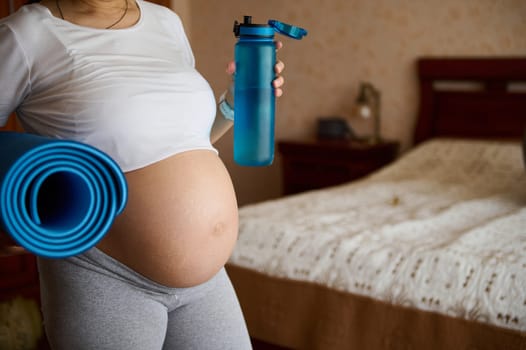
133,93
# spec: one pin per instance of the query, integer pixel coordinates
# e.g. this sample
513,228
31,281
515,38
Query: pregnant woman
119,75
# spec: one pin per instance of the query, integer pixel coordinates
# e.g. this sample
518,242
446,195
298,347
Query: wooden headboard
471,98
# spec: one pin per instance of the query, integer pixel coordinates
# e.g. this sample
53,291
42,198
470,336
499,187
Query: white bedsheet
442,229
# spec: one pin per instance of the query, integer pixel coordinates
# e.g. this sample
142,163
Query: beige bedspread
443,229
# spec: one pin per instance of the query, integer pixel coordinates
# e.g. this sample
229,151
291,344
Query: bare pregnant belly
180,224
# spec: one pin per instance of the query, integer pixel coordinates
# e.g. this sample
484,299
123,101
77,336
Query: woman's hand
8,247
277,83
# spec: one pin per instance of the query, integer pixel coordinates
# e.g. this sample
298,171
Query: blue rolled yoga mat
58,198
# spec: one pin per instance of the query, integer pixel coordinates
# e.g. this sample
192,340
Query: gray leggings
93,302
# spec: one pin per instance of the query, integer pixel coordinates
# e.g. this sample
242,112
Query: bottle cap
288,29
267,30
247,28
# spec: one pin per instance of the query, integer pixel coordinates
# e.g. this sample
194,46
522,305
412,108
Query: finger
278,82
231,67
278,92
279,67
279,45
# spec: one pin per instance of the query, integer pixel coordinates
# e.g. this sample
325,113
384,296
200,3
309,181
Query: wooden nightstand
312,164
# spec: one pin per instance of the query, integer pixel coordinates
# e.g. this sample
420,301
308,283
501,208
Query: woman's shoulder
158,11
153,7
161,16
26,19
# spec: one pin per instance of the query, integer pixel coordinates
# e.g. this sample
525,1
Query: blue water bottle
254,99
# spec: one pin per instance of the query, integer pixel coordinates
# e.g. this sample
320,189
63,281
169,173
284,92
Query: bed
426,253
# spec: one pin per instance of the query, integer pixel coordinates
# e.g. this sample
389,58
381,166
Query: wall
350,41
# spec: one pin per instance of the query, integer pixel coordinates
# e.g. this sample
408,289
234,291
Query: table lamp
367,106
